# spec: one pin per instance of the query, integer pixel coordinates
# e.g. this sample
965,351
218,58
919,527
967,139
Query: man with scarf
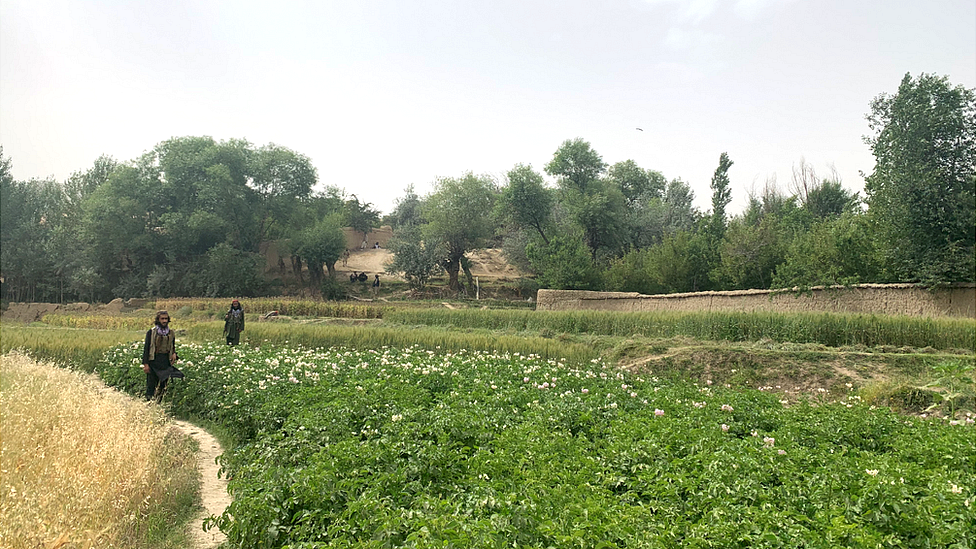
234,323
158,357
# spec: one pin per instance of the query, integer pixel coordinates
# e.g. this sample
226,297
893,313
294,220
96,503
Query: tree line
188,218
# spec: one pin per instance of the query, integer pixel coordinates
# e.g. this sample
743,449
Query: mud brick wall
889,299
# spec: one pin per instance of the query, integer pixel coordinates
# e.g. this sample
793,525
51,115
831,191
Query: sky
385,94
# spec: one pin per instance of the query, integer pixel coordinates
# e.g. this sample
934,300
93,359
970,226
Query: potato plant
422,448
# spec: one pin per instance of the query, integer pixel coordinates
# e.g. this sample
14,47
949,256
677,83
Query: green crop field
416,448
489,428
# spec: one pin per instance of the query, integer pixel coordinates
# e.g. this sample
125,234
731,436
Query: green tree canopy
458,214
922,191
361,216
721,196
576,165
525,202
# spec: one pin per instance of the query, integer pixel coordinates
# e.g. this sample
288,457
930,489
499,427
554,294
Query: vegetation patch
383,447
87,467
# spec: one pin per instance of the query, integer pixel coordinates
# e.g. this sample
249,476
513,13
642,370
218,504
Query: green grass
834,330
80,348
255,307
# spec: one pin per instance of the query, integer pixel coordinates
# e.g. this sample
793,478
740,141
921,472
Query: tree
526,202
576,165
922,191
564,263
406,210
361,216
834,251
721,196
28,211
830,200
635,182
320,245
281,178
231,272
602,213
412,256
750,253
458,215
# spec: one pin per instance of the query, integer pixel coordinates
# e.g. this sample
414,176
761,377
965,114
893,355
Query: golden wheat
84,465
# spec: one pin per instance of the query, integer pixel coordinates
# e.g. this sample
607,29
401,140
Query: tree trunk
296,267
453,266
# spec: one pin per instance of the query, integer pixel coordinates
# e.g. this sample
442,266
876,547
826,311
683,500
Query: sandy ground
213,489
486,263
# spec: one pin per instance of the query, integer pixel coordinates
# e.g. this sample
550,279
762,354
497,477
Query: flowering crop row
413,447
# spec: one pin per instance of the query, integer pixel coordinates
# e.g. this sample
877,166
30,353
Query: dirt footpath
213,489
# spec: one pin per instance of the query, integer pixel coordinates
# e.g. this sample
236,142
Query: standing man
158,357
234,323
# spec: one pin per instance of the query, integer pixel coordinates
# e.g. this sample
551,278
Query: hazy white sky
382,94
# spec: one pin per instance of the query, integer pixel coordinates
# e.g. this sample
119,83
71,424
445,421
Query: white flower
872,472
954,489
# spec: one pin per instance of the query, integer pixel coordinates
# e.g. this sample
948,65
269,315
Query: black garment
234,325
363,277
160,370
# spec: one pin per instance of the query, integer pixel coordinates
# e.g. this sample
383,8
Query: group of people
159,356
363,277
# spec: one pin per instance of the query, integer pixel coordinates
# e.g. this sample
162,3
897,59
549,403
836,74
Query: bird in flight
640,130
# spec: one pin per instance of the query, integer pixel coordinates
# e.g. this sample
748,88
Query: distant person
376,281
376,246
363,277
352,277
159,356
234,323
345,258
364,244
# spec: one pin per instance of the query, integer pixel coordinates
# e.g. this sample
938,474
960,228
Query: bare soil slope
485,263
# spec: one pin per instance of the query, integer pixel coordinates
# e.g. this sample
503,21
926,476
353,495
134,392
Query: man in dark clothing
158,357
234,323
363,277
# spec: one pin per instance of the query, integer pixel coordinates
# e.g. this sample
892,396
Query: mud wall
354,238
889,299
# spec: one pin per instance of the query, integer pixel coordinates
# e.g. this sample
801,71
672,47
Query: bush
333,290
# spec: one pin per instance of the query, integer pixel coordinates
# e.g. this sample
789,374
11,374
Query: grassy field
469,428
87,467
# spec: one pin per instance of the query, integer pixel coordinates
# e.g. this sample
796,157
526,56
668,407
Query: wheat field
86,466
